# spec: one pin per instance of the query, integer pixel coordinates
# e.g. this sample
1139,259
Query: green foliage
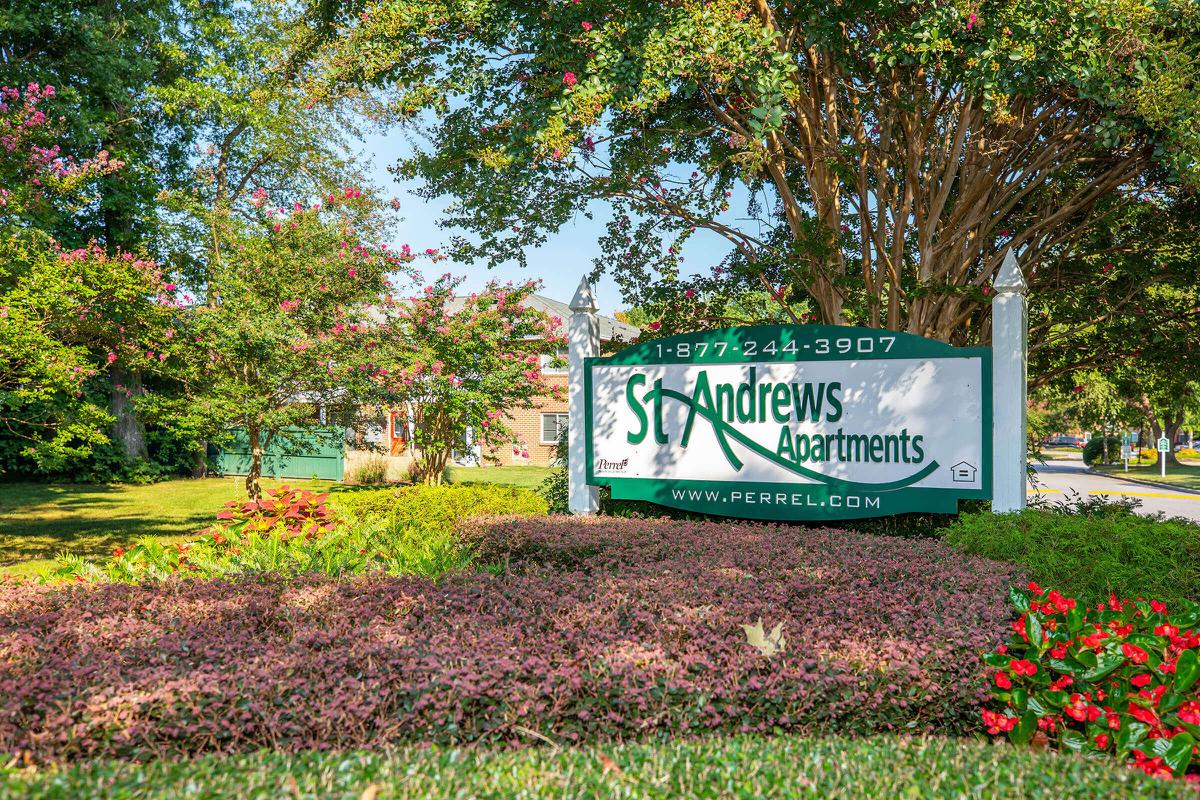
371,471
461,364
440,507
405,531
1093,451
701,768
1089,555
670,111
286,293
1117,679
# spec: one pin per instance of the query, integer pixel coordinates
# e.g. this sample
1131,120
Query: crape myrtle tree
68,316
894,152
273,339
460,364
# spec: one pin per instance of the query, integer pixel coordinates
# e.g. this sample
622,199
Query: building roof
609,328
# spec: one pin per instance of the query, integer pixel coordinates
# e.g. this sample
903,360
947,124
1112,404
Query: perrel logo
603,465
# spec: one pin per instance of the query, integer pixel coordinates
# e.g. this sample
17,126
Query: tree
893,152
65,314
272,341
461,363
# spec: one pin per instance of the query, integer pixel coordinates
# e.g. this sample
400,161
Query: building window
399,426
553,426
556,364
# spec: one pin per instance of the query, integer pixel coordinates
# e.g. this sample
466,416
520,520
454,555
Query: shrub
600,629
1190,453
1091,555
1093,451
1117,679
700,768
440,507
290,532
372,471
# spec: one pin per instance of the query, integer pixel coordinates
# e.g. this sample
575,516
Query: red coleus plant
286,511
1119,678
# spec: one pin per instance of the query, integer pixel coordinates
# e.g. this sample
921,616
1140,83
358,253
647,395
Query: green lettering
876,448
918,453
640,412
785,448
745,411
834,402
779,401
659,435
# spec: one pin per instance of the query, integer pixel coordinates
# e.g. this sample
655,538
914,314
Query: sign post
583,341
1164,447
1010,354
792,422
1126,449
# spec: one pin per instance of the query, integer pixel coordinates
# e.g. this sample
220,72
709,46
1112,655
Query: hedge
1090,556
599,629
727,767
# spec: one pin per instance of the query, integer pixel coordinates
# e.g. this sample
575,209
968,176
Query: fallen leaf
766,643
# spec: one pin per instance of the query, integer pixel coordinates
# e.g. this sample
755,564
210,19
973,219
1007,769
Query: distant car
1064,441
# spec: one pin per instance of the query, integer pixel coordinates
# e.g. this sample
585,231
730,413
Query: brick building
536,428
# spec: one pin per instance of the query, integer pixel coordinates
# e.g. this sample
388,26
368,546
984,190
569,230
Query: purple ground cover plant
597,629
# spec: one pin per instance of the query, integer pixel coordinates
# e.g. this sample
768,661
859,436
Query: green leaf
1019,599
1075,618
1187,669
997,660
1033,629
1072,740
1105,664
1054,699
1024,730
1130,735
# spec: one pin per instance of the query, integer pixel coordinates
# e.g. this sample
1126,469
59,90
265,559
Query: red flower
1189,712
1141,714
587,26
1023,667
996,723
1033,587
1002,680
1157,607
118,552
1166,630
1061,683
1134,653
1140,680
1114,721
1094,640
569,78
1101,740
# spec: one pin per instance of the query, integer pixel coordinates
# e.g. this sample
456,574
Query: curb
1121,477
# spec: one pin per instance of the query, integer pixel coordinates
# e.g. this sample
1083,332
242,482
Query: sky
560,263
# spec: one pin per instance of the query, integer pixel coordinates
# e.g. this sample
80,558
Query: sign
794,422
1164,445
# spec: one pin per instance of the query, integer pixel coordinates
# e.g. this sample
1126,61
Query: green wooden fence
293,453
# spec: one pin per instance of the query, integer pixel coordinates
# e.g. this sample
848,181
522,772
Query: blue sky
559,263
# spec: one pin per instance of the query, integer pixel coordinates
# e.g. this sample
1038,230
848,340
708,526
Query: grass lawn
1187,475
732,767
37,520
524,477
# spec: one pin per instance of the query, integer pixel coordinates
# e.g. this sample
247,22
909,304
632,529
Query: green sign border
814,498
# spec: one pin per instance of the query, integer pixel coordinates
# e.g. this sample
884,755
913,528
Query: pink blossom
569,78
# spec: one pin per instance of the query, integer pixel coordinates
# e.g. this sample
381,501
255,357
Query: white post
583,339
1010,347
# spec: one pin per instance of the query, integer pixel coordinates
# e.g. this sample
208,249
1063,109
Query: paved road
1058,478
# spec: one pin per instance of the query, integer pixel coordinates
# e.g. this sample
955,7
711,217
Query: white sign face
1164,445
792,422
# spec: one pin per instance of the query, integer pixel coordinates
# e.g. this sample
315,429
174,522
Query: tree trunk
200,461
128,431
1171,432
254,475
